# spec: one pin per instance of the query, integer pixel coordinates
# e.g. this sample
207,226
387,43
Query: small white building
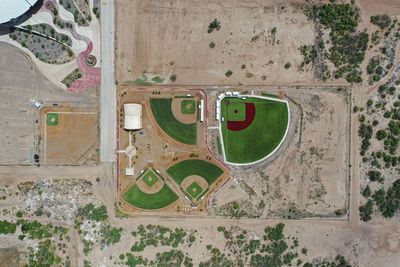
129,171
202,111
133,116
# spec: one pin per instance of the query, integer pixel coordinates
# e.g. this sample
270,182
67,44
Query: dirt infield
176,110
241,125
73,139
170,38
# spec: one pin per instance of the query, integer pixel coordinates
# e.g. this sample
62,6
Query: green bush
382,21
7,227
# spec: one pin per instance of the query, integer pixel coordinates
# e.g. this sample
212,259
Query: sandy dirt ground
167,38
311,170
74,140
308,176
372,7
366,246
21,82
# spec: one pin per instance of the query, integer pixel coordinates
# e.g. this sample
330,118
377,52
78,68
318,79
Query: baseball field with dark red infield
252,127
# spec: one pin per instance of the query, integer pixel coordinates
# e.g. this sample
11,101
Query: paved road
108,90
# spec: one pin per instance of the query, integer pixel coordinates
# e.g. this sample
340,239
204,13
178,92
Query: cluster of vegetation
96,11
57,20
387,201
389,137
309,54
156,235
145,81
383,114
168,258
382,21
339,261
72,77
49,31
46,48
275,249
91,212
107,234
375,70
44,253
228,73
70,6
7,227
37,230
214,25
348,46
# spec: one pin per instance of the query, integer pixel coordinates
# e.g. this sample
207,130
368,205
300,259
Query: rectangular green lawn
52,119
188,106
236,111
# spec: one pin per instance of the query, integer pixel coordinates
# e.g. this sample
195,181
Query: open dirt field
170,38
373,7
73,140
20,82
308,176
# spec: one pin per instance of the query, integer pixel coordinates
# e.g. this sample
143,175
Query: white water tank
133,116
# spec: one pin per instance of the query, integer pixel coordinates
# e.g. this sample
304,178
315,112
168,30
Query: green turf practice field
150,178
194,190
139,199
236,112
261,137
52,119
188,106
184,133
209,171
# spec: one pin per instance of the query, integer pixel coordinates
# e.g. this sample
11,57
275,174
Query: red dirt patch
241,125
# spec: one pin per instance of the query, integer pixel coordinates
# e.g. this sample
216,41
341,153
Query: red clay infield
241,125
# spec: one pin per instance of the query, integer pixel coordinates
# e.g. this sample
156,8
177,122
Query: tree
366,192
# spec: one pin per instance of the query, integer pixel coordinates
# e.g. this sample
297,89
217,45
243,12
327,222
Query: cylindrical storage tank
133,116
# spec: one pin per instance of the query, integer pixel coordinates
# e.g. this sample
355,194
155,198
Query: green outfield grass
52,119
194,190
261,137
236,112
139,199
188,106
209,171
184,133
150,178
